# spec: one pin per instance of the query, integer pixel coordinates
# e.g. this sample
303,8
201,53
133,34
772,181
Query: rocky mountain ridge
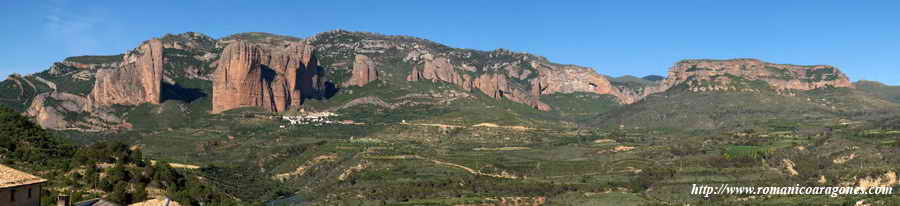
738,74
136,80
276,73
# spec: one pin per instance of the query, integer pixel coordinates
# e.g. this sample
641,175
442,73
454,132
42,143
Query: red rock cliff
550,79
363,71
137,80
272,77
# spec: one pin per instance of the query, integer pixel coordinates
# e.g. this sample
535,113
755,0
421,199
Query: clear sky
614,37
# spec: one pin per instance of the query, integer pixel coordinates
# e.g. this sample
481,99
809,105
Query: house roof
157,202
10,177
95,202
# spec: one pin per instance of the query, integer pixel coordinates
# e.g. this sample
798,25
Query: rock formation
567,79
440,69
272,77
137,80
494,85
722,75
363,71
550,79
437,70
52,114
277,72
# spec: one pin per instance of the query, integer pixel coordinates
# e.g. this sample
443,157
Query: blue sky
614,37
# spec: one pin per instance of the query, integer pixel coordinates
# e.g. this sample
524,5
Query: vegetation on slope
112,170
891,93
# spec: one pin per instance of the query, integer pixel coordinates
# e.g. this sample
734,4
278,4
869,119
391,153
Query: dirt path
485,124
501,148
492,125
178,165
438,162
433,125
475,172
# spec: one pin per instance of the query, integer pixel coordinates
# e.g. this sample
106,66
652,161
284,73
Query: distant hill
891,93
747,93
653,78
684,109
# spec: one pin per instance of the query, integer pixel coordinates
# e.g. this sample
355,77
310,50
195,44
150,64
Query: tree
120,194
77,196
22,140
138,158
91,175
166,176
106,185
140,192
117,174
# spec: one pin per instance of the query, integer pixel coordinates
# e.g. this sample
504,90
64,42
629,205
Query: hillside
114,171
887,92
686,109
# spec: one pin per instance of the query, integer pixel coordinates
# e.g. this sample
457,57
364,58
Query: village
314,118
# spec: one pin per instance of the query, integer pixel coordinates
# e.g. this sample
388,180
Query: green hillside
887,92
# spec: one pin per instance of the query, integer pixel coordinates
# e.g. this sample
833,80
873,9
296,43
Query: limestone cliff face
440,69
550,79
567,79
437,70
51,114
363,71
272,77
723,75
135,81
495,85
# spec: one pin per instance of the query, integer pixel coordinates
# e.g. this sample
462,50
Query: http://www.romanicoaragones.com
726,189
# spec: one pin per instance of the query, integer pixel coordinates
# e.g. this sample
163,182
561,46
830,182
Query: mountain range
357,118
280,73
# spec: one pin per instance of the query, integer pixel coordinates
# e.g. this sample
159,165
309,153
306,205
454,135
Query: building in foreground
18,188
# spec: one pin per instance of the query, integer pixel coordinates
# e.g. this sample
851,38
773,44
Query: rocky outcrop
497,86
440,69
437,70
414,75
46,116
728,75
567,79
363,71
66,66
53,114
188,41
136,81
494,85
549,79
272,77
502,74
